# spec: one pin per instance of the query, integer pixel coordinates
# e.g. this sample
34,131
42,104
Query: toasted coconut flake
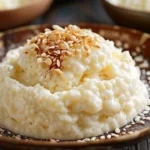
43,54
52,47
73,38
57,51
44,41
49,61
47,31
39,60
60,43
39,41
58,63
56,27
65,45
47,77
46,49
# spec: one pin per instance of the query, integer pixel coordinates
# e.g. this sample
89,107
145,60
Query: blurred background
75,11
134,14
58,12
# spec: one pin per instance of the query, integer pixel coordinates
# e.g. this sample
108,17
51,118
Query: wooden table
79,11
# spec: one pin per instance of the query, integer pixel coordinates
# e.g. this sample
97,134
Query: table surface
79,11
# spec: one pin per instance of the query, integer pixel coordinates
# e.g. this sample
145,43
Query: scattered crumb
108,136
123,133
139,58
138,49
137,118
114,135
102,137
127,126
93,138
134,54
86,139
126,45
118,43
117,130
17,137
140,122
147,118
124,129
145,64
145,112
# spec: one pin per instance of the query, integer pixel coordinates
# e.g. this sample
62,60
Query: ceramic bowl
139,45
128,17
10,18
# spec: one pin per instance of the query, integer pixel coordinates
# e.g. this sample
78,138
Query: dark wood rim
139,135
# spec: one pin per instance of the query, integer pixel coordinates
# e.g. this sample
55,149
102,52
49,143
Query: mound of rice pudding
69,83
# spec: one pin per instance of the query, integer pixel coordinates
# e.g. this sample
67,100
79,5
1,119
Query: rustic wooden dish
138,43
10,18
128,17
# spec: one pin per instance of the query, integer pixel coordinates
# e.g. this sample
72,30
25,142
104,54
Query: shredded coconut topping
54,46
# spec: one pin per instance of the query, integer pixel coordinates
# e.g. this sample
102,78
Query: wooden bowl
128,17
139,45
10,18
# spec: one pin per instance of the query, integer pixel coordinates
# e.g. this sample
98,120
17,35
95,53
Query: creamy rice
69,84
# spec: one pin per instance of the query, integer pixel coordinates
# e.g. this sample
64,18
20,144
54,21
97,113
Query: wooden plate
139,45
